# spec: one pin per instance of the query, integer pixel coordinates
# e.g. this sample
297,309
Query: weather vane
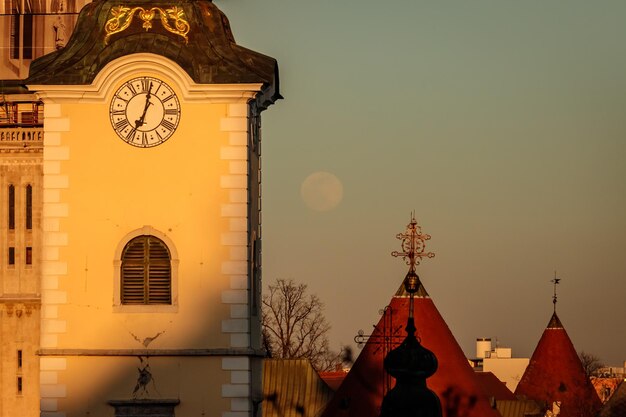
556,281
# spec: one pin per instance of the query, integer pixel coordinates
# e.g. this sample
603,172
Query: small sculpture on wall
59,28
144,379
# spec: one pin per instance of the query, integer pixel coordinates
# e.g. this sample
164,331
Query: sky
502,124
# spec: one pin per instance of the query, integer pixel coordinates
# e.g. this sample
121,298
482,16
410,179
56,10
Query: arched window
146,272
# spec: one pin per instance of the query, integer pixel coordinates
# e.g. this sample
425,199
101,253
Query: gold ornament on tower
122,17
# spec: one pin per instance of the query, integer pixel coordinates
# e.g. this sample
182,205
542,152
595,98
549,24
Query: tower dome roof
194,34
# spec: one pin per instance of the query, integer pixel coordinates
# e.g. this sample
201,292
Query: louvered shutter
146,272
159,275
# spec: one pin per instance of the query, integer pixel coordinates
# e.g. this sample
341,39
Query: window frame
28,256
146,272
11,257
117,275
21,35
29,206
15,35
11,207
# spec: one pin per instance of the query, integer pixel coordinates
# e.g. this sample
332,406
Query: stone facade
21,152
31,29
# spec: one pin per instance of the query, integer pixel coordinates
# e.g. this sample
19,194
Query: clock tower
150,271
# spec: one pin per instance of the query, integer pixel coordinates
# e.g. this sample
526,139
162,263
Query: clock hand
140,122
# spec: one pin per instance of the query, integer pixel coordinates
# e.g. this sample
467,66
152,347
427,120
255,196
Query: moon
321,191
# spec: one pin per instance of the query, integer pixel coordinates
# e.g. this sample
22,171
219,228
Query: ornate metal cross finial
413,250
413,244
556,281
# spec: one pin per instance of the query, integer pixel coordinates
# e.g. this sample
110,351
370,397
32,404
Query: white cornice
150,64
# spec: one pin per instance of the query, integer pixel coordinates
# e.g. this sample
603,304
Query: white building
499,361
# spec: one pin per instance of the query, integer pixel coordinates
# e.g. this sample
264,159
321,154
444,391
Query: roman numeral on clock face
145,85
168,125
144,111
121,125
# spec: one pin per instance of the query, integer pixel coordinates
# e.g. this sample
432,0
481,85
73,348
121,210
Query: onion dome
410,364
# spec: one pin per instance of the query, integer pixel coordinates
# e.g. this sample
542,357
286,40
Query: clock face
145,112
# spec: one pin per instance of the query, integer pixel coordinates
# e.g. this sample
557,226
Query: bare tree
294,325
591,363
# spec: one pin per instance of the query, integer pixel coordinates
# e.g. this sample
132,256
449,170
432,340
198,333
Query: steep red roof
493,387
555,373
606,387
616,406
361,393
333,378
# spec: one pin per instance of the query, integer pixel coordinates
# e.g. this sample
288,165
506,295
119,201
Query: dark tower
411,363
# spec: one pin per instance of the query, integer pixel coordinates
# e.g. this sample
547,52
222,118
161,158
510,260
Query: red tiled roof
361,393
493,387
555,373
605,387
333,378
616,406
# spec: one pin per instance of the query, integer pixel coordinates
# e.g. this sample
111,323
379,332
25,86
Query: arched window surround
117,276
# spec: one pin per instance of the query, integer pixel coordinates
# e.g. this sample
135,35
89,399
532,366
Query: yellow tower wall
192,193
